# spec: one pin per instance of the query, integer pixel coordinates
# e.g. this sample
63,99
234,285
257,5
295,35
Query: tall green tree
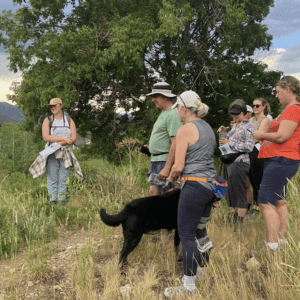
113,51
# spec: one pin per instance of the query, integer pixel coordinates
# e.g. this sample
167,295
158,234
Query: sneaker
61,197
53,199
178,291
252,215
202,272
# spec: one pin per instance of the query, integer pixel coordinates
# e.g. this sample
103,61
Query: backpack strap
50,118
69,121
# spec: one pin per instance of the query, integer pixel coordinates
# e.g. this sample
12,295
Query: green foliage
17,148
113,52
9,238
36,227
37,264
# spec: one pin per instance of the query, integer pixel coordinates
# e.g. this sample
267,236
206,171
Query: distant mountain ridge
10,113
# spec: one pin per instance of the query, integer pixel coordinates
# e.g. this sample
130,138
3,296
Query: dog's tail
112,220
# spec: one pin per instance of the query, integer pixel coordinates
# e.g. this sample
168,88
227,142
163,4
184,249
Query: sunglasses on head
256,105
284,78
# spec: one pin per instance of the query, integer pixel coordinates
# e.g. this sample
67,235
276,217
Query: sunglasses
182,100
256,105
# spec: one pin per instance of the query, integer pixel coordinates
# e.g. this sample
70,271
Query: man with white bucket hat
163,139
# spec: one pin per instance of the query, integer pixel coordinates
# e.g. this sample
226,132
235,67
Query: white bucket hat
188,99
162,88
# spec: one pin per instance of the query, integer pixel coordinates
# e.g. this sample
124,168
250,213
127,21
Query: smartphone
145,150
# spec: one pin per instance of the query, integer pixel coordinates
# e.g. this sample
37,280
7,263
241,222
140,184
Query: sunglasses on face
256,105
182,100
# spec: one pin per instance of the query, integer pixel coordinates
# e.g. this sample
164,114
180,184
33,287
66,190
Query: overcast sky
283,23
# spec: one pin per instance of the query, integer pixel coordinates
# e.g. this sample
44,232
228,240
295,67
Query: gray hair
240,103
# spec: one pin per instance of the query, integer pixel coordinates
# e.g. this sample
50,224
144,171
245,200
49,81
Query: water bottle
222,134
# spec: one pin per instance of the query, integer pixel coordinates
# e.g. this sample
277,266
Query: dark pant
255,173
195,202
235,174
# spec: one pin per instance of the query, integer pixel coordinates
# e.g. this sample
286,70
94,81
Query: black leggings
195,202
255,173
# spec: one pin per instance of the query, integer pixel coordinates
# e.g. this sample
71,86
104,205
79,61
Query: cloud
283,19
6,78
280,59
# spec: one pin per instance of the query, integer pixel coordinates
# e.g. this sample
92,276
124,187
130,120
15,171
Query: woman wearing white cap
62,130
194,164
249,112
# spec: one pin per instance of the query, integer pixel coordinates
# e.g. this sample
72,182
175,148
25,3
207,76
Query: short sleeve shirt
165,127
290,148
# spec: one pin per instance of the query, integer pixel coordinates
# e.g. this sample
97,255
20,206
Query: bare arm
265,125
182,143
164,173
73,132
285,131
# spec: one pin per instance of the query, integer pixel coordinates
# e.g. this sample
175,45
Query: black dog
144,215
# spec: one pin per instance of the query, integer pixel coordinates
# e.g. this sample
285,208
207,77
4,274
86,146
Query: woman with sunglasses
261,123
240,140
280,149
194,163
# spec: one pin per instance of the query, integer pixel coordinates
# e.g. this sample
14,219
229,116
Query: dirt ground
16,283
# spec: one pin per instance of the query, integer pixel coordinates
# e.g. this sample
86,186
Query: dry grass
86,267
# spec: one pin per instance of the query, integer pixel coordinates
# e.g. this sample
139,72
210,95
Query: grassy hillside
66,252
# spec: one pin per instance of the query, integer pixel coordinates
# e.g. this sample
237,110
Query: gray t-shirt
199,160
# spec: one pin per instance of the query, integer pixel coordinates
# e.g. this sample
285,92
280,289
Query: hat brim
235,112
50,105
169,95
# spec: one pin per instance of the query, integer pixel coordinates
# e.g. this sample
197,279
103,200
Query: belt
190,178
159,153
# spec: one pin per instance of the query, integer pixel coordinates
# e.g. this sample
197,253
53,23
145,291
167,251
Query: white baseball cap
249,108
188,99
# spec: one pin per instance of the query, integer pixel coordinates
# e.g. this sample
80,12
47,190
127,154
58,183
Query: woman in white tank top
58,128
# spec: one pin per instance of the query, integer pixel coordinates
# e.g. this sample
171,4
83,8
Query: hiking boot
178,292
